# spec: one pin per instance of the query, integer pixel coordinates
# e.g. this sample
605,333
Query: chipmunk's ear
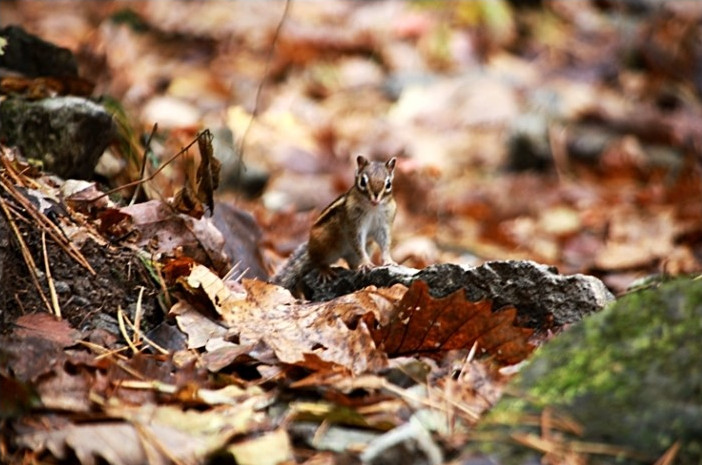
390,164
361,161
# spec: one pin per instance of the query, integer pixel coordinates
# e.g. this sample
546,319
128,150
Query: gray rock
33,57
67,133
540,294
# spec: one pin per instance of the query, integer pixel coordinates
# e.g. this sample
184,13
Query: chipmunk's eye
388,184
363,182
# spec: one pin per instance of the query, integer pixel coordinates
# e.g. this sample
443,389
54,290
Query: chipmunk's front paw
365,266
326,274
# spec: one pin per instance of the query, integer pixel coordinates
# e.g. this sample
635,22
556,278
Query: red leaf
423,324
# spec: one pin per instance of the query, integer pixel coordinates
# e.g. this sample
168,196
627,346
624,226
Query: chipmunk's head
374,179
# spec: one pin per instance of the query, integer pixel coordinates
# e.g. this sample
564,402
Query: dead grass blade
28,260
123,329
137,316
138,335
49,278
114,356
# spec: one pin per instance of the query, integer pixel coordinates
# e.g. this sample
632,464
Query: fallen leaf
635,240
17,399
166,232
208,170
423,324
115,443
66,391
114,223
185,201
197,326
315,335
319,411
269,449
31,358
222,357
45,326
216,290
221,354
190,435
84,196
149,431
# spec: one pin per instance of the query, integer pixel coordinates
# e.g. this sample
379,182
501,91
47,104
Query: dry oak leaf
423,324
270,448
314,335
45,326
196,326
154,434
201,276
165,231
202,284
112,443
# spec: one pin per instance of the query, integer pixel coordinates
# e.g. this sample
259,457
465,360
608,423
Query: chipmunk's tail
292,272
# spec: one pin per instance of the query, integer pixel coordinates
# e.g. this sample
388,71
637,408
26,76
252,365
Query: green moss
631,375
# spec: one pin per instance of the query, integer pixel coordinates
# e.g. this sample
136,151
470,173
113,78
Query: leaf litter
258,368
338,344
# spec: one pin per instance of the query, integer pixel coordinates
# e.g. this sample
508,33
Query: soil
87,301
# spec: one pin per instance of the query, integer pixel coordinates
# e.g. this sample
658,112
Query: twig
470,357
257,99
147,146
102,352
107,353
9,169
668,458
579,447
49,279
320,432
151,176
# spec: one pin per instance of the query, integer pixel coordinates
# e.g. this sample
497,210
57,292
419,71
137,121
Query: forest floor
567,133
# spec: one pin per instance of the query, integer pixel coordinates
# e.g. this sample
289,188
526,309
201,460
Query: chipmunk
344,229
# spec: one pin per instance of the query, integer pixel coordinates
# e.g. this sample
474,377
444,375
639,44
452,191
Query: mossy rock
67,134
631,376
